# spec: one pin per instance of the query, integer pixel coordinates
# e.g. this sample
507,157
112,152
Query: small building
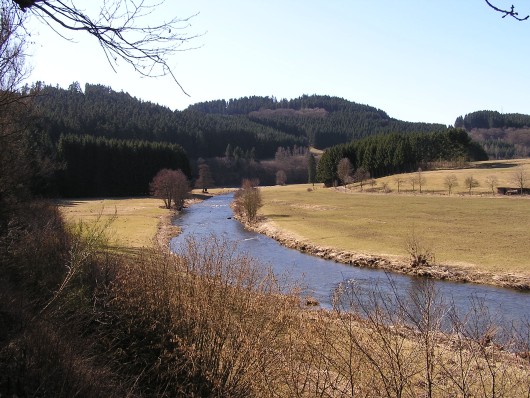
512,191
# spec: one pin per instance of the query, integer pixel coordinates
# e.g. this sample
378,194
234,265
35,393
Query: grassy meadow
503,170
132,222
485,231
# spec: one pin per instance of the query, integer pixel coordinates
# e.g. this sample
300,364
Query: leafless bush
419,253
247,200
386,187
281,177
386,342
208,321
42,352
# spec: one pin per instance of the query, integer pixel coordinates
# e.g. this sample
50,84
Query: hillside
503,136
257,125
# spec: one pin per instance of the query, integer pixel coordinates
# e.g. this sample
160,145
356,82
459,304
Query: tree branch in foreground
146,48
512,13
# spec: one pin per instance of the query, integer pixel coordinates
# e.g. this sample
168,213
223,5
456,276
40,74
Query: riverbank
396,264
165,228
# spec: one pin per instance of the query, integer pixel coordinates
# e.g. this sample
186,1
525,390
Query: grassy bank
487,233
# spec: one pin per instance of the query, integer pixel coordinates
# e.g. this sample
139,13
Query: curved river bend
321,277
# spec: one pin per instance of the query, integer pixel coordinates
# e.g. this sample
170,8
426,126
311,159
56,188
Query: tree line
398,152
322,120
97,166
103,112
258,124
492,119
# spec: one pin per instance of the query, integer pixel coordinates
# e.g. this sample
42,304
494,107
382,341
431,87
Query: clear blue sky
418,60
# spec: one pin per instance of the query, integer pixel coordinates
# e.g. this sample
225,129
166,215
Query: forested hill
101,112
503,135
257,126
323,121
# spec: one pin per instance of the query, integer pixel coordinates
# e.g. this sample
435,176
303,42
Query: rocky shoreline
388,263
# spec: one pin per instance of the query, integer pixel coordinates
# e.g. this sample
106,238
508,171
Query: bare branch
147,49
511,12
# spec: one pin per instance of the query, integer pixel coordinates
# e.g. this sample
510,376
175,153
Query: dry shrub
420,254
203,323
34,249
405,344
42,351
42,360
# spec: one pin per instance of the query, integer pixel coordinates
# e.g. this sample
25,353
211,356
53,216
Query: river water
321,277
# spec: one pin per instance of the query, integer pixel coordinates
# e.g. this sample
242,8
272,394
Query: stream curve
321,277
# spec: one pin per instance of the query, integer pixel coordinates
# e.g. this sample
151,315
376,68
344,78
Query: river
321,277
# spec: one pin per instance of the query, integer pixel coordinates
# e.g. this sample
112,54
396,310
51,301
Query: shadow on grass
123,250
201,196
497,165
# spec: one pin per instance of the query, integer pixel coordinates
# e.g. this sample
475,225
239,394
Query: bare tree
12,57
281,177
413,181
520,178
470,183
511,12
17,162
117,28
492,182
450,182
360,176
205,179
171,186
399,180
247,200
420,179
344,170
311,168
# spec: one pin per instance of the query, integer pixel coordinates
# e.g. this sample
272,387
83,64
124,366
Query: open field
503,170
135,222
486,233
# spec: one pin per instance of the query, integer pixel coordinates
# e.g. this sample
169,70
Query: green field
490,233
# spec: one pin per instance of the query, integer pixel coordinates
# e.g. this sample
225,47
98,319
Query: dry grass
135,220
208,322
502,169
482,232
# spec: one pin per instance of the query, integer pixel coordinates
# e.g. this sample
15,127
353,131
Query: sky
417,60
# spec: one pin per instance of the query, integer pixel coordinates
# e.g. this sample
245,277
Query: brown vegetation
247,200
171,186
208,322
